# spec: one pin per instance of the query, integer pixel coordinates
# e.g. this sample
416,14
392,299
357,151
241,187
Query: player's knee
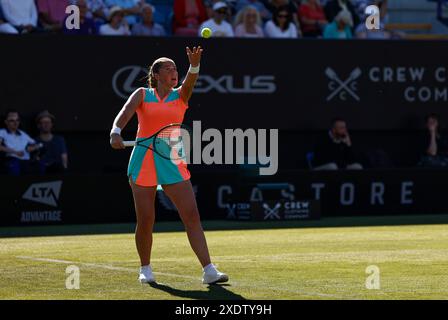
145,222
191,219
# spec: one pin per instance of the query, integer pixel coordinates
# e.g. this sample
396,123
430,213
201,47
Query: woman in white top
117,25
247,23
281,25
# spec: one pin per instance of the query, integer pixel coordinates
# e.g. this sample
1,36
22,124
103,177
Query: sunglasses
222,11
282,16
13,120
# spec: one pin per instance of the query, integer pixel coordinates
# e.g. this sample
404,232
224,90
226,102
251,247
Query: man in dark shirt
53,156
335,150
435,153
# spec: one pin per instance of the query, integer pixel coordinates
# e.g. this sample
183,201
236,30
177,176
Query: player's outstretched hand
116,141
194,56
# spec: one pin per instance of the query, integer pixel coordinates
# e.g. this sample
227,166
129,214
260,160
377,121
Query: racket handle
129,143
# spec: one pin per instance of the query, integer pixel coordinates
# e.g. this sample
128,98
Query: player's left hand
194,56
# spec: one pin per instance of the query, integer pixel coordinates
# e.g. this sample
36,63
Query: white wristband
194,69
115,130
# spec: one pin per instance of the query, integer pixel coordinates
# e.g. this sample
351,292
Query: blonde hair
155,67
241,15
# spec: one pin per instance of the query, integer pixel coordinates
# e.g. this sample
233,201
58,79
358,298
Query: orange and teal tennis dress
147,168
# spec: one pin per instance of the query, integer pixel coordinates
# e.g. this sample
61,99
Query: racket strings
169,143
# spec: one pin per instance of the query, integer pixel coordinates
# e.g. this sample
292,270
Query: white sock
209,267
146,268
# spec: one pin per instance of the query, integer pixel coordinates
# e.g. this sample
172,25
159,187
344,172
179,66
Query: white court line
235,284
104,266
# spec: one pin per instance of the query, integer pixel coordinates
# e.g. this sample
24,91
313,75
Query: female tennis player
157,106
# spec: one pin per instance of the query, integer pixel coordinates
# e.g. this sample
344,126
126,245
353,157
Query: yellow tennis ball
206,33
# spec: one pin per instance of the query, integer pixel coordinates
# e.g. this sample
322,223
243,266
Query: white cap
345,16
219,5
113,11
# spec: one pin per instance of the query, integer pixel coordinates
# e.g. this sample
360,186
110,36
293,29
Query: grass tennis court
323,259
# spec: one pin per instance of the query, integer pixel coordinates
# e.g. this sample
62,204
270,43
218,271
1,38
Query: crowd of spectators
21,154
331,19
335,149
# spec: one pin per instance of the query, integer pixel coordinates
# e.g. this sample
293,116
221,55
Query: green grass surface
323,259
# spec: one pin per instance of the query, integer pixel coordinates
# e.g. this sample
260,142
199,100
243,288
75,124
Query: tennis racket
169,142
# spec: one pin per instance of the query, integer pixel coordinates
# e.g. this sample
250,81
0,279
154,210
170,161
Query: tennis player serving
157,106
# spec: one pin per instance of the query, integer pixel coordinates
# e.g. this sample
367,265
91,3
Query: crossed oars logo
331,74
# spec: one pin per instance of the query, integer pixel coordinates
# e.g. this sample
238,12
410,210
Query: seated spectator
335,151
131,9
117,25
188,16
281,25
6,27
290,5
17,145
52,13
20,14
333,7
265,14
53,156
230,8
148,27
341,26
86,24
219,27
435,153
312,18
248,23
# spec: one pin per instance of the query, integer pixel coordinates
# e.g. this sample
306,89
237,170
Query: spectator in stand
333,7
219,27
20,14
188,16
131,9
248,23
6,27
281,25
274,5
148,27
335,150
86,24
17,145
230,8
341,27
435,145
52,14
265,14
117,25
53,156
312,18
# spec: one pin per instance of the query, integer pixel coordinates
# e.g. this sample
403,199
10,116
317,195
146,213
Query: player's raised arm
194,56
123,117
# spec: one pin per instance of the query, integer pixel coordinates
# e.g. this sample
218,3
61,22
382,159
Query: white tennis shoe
146,275
212,275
